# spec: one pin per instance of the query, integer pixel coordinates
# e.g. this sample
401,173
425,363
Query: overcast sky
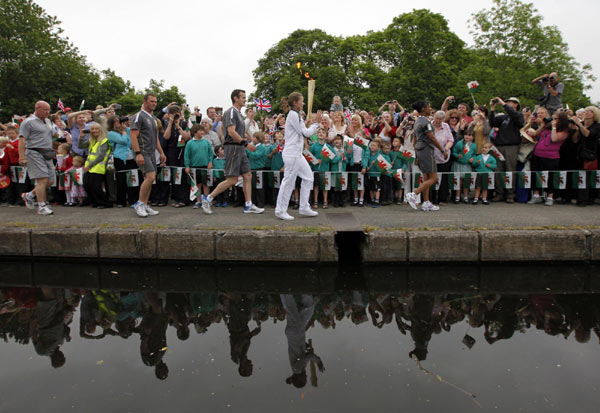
208,49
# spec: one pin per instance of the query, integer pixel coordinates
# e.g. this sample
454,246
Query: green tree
36,62
164,96
514,47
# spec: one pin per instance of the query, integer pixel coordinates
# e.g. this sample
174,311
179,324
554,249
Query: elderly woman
95,165
211,135
589,149
443,134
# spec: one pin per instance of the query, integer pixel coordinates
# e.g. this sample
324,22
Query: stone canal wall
297,246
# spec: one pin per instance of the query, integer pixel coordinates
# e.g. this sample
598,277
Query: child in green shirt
219,171
198,154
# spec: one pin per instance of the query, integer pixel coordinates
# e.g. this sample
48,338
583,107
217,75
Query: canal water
174,337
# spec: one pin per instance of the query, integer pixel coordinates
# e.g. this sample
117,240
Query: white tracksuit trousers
294,166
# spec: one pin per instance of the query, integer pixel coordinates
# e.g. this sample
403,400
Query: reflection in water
44,318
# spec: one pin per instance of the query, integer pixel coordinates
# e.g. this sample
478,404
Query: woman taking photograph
118,137
546,156
95,165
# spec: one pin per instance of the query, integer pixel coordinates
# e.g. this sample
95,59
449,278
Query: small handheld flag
263,104
60,105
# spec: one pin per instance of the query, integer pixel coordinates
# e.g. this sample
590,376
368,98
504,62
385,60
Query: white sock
209,198
248,203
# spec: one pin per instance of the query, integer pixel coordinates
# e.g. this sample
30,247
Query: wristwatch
137,153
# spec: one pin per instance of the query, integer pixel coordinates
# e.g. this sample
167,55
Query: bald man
36,153
553,91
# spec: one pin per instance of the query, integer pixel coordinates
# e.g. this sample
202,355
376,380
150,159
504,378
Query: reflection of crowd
43,317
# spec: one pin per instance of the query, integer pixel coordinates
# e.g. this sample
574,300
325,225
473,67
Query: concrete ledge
523,245
183,244
327,250
447,246
308,247
595,244
67,242
118,243
267,246
386,247
15,241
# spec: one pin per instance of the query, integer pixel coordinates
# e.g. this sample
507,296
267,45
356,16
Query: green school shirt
258,158
198,153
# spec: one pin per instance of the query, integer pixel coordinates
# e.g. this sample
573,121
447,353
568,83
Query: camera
495,101
545,79
572,121
177,116
117,106
548,119
452,100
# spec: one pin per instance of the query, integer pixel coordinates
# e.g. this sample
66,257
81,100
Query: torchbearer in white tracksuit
294,162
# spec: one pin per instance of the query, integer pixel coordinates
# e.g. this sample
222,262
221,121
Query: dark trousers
387,188
223,196
14,191
124,193
93,186
179,193
258,195
441,195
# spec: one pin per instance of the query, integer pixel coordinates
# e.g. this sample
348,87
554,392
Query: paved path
495,216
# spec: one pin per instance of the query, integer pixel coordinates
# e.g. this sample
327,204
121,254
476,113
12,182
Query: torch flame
298,65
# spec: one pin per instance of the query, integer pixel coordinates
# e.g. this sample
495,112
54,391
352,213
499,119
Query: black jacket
508,125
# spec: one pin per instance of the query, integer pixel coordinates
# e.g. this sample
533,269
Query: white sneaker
428,206
308,212
411,198
206,205
29,200
253,209
284,215
150,211
140,209
44,210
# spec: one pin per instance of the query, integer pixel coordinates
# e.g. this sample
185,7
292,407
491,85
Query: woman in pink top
546,155
443,134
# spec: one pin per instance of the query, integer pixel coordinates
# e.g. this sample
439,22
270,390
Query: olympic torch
311,89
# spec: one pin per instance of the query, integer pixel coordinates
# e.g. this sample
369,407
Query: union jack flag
263,104
348,115
60,105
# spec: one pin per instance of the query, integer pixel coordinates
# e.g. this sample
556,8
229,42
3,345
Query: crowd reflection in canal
43,317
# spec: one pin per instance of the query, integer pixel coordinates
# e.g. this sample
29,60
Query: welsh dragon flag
77,176
362,142
17,120
194,190
594,180
407,154
497,154
541,179
341,180
398,175
65,180
348,142
276,179
312,159
133,178
506,180
579,180
357,181
473,86
454,181
177,176
382,164
524,179
418,179
327,153
559,180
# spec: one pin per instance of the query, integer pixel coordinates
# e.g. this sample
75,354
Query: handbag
586,154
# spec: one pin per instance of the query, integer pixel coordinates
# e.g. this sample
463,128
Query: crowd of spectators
393,156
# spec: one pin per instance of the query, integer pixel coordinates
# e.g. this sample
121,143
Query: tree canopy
418,57
37,62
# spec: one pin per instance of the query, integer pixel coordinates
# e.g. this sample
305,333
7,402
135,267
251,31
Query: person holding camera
175,137
553,131
553,91
588,150
507,141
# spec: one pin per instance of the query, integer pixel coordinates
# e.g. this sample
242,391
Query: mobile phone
117,106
